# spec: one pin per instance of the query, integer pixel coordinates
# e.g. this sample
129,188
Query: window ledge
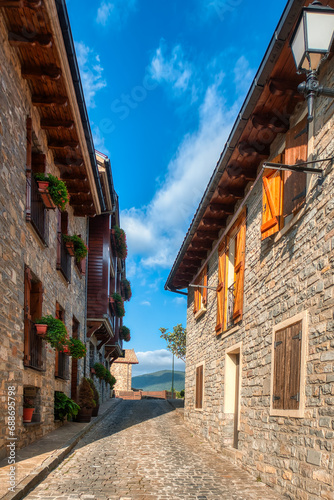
275,238
287,413
200,313
226,333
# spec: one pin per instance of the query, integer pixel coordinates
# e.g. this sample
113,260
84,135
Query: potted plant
100,370
126,289
64,407
28,409
41,329
118,304
56,332
68,244
124,333
96,398
86,402
76,348
75,246
56,191
120,242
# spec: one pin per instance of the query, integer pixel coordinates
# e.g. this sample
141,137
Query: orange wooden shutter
292,366
271,202
239,267
295,182
221,287
27,314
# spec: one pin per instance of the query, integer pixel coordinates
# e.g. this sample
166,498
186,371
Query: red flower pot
27,414
70,247
43,185
45,195
41,329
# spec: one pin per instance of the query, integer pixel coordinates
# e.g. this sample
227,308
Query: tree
176,340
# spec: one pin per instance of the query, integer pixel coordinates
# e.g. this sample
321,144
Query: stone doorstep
34,475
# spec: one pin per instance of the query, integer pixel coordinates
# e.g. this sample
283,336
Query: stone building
122,371
43,129
258,265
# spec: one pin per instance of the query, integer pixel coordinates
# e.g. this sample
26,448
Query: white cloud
145,303
91,72
154,361
99,140
180,301
116,11
243,75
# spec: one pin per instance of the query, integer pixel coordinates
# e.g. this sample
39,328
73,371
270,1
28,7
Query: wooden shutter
292,366
279,368
199,387
27,314
36,300
295,182
28,168
221,289
271,202
58,238
201,294
60,314
239,267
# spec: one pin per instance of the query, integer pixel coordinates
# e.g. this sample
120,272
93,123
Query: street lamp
310,44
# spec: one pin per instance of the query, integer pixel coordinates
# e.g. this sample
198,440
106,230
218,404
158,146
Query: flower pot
27,414
95,411
92,370
45,195
41,329
70,248
84,415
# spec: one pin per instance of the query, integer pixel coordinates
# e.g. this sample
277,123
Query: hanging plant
120,242
110,379
124,333
76,347
79,247
100,370
126,289
56,334
119,305
57,189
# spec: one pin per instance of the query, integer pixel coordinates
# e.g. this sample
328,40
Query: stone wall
21,246
97,356
123,375
284,276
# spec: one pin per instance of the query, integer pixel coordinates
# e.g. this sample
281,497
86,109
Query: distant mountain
159,381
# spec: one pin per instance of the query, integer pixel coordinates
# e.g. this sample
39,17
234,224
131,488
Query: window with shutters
63,257
284,192
61,359
201,293
34,356
231,269
199,387
288,368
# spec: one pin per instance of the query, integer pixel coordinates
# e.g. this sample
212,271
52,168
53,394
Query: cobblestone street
144,451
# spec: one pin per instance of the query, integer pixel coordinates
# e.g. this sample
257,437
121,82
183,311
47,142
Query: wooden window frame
303,319
199,399
201,294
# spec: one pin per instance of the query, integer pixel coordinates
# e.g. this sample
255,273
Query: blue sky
164,81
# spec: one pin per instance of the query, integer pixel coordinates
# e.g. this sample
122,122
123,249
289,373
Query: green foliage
57,189
80,249
86,395
182,393
124,333
95,391
100,370
56,334
119,305
77,348
110,379
176,340
64,406
120,240
127,292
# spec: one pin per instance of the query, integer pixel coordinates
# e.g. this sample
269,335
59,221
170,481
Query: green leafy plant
80,249
176,340
110,379
119,305
126,289
76,347
182,393
56,333
64,406
124,333
120,242
95,391
100,370
57,189
86,395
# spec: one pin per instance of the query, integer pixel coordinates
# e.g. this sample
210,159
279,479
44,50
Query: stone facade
287,277
121,369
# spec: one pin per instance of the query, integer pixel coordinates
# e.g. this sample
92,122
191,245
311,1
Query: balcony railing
230,304
36,213
63,259
34,356
62,370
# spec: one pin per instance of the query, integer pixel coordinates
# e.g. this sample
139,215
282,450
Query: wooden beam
236,171
49,101
284,87
69,163
192,261
39,160
20,4
33,39
203,244
188,269
215,222
277,123
202,234
50,72
76,201
258,149
49,124
63,145
237,194
217,207
73,177
195,255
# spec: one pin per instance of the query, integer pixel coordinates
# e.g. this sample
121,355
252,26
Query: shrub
77,348
86,395
119,305
80,249
110,379
64,406
95,391
100,370
56,334
120,241
57,189
127,292
124,333
182,393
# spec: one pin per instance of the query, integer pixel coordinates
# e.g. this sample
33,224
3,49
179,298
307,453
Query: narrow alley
143,451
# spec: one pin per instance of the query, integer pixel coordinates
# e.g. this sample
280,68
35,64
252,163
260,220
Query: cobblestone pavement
143,451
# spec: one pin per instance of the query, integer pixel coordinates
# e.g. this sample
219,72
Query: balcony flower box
70,248
52,190
43,189
41,329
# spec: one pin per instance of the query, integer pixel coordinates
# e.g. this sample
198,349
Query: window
199,387
62,359
63,257
33,300
231,270
284,191
288,362
201,293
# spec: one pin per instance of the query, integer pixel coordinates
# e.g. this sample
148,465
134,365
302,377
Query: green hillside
159,381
